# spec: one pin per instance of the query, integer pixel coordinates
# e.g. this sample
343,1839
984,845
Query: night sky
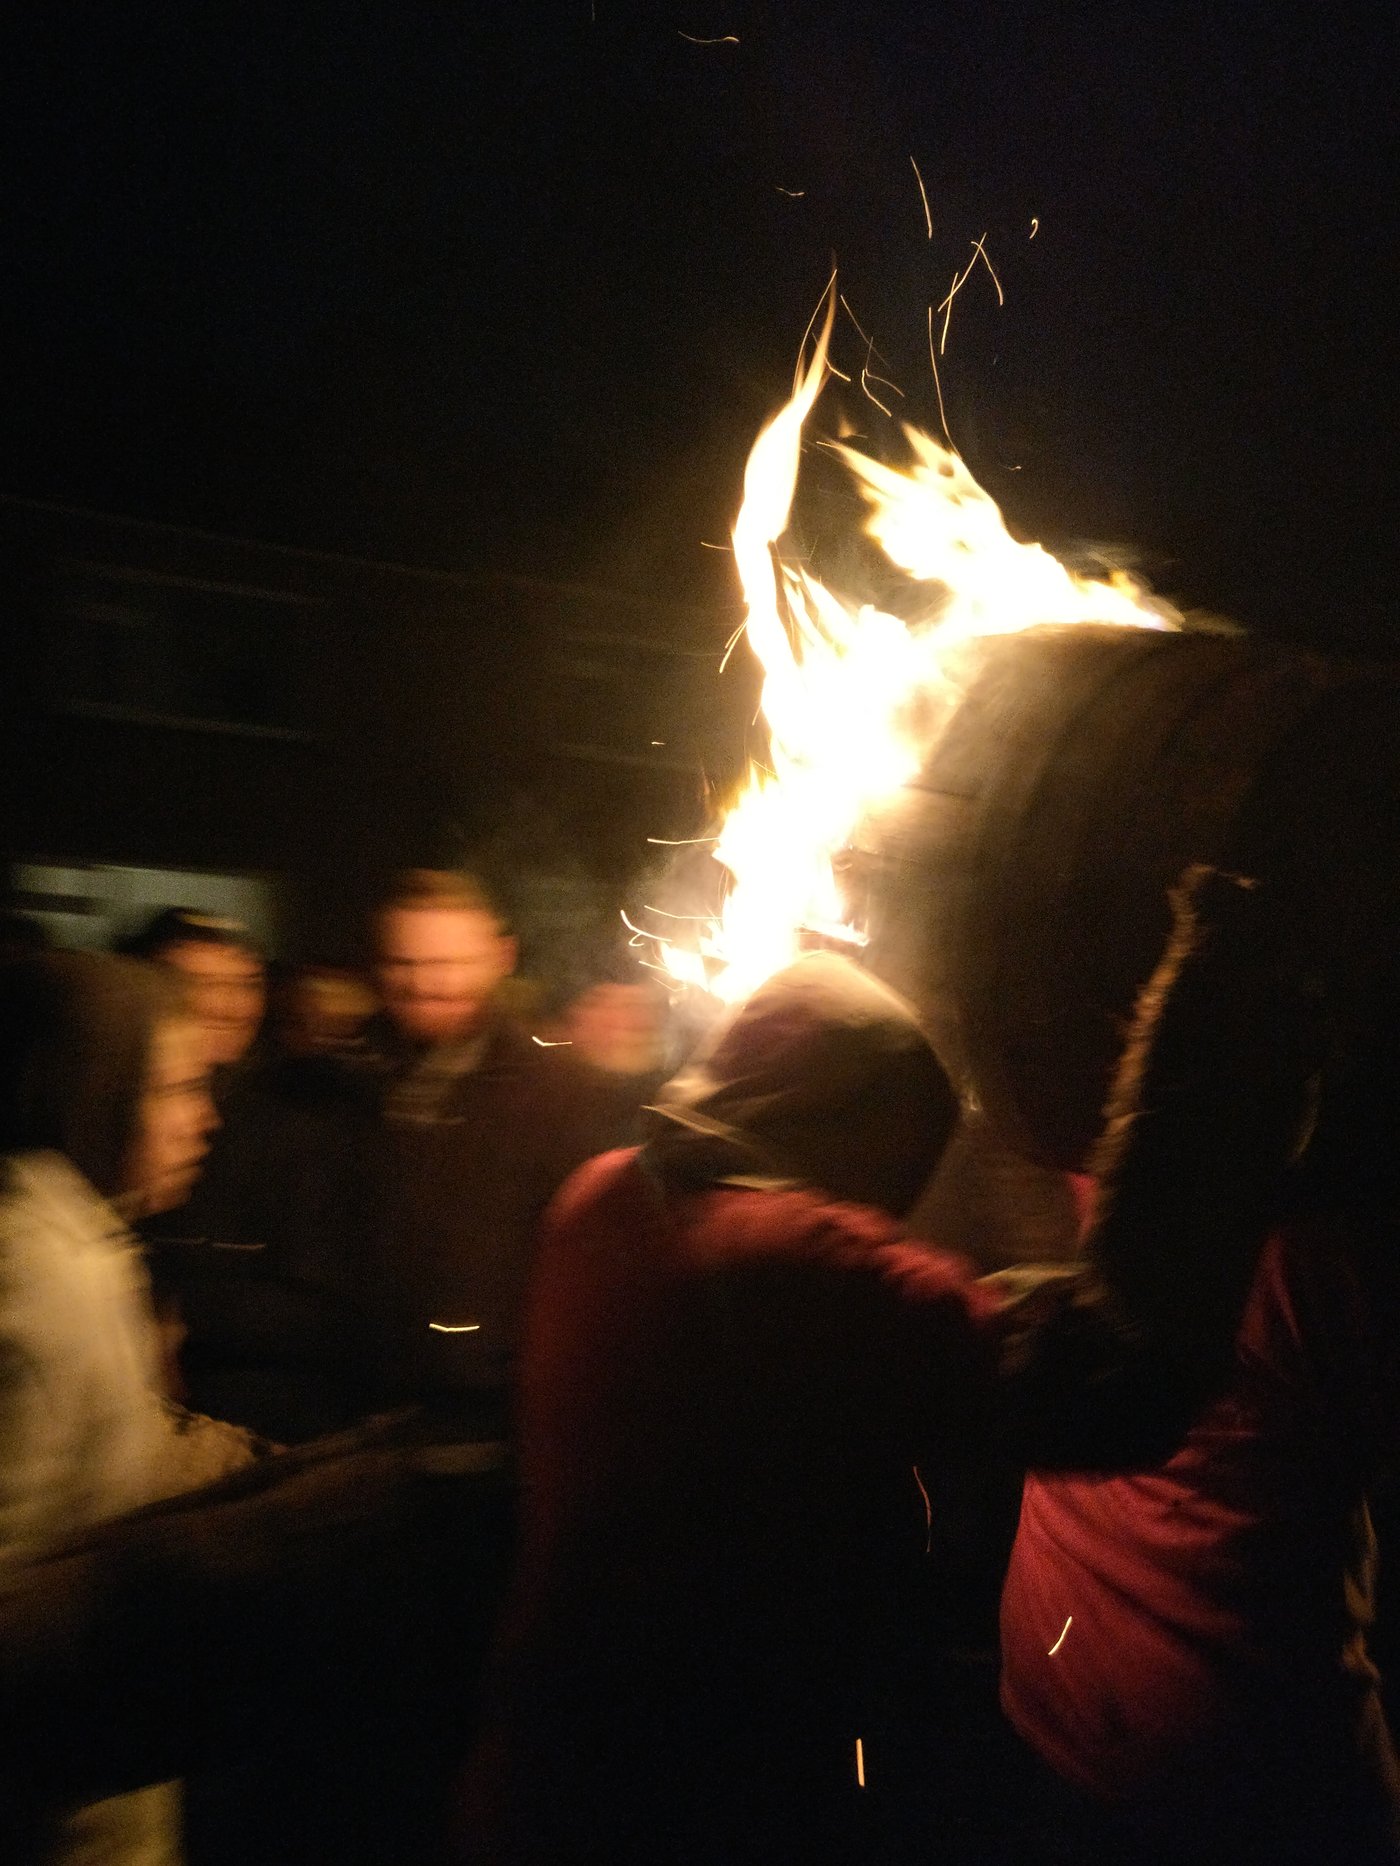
492,286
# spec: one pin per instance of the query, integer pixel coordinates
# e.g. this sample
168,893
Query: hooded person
104,1116
1215,1697
738,1377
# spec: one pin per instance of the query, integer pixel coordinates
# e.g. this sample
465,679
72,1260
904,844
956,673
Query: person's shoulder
799,1220
58,1236
602,1180
44,1190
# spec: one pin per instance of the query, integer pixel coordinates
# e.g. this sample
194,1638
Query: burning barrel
1018,889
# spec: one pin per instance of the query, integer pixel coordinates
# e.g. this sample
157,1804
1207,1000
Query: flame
853,698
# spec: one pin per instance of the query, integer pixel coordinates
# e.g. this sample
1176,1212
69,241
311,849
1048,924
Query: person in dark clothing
256,1270
740,1384
480,1126
1186,1647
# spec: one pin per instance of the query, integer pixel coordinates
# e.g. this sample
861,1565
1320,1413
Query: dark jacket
471,1150
262,1264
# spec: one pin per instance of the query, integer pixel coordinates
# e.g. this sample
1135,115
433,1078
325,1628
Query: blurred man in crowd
255,1269
481,1125
225,983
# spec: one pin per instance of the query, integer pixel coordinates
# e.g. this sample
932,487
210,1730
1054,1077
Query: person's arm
1109,1363
34,1431
219,1618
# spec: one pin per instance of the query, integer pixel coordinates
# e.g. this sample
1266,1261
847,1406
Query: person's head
441,950
619,1027
100,1061
224,976
829,1078
320,1010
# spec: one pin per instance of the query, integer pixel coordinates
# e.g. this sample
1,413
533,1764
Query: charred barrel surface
1018,889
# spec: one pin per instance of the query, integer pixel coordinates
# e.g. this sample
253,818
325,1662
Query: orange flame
854,699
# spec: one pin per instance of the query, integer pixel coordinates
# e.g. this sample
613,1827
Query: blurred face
174,1121
226,996
323,1013
438,967
618,1027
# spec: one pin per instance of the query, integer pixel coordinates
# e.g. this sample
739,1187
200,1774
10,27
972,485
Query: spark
554,1043
454,1328
679,842
923,196
1061,1640
864,335
928,1509
883,380
793,194
1035,225
732,644
960,279
825,299
979,251
865,381
982,250
860,1763
867,376
705,545
658,741
938,386
728,38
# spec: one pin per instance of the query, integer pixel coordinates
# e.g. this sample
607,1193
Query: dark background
506,291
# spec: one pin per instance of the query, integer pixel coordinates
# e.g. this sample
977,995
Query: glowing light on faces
854,699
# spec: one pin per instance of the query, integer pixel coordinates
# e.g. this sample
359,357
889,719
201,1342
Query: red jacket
723,1399
1191,1640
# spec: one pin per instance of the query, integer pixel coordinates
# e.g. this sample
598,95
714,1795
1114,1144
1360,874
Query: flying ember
854,699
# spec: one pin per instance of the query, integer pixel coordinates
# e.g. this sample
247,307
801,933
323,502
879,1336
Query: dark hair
423,889
1207,1110
75,1042
186,926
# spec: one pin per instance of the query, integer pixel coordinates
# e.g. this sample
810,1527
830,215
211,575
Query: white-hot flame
853,698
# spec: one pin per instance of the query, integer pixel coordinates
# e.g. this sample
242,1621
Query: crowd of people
424,1437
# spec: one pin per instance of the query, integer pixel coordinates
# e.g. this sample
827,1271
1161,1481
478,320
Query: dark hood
822,1078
